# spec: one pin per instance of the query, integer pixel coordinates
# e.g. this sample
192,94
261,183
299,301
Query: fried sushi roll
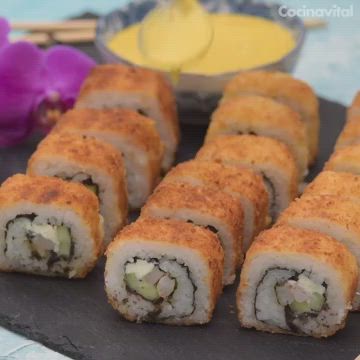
346,159
330,215
243,184
267,156
131,134
297,282
212,209
257,115
353,112
95,164
49,227
143,90
350,135
283,88
340,184
164,271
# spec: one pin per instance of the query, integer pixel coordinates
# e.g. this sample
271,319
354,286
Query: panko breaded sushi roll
49,227
330,215
353,112
283,88
131,134
350,135
95,164
267,156
297,282
244,184
340,184
164,271
212,209
143,90
346,159
257,115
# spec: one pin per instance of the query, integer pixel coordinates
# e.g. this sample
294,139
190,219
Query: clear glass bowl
197,91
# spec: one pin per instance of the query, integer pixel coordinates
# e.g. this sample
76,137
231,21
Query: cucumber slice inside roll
142,287
44,240
163,282
314,305
288,299
146,279
64,239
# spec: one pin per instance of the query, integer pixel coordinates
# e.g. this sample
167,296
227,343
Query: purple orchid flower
36,86
65,70
18,88
4,32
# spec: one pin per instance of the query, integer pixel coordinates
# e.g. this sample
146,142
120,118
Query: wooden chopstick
50,26
66,37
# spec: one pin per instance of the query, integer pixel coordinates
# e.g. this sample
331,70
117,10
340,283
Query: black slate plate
73,317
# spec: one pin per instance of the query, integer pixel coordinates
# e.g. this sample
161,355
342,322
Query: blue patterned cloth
329,62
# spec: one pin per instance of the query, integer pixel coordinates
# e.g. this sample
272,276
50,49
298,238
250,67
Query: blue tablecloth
330,62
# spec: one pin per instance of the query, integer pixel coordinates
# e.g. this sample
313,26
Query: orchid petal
4,31
20,85
67,68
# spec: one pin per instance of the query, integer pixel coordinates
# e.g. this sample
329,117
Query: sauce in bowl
239,42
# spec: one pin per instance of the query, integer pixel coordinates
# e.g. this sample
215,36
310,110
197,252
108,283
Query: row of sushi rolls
236,204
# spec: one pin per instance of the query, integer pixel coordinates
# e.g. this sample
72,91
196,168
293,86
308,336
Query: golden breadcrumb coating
247,150
340,184
285,241
133,80
81,149
85,153
345,159
139,128
43,190
350,134
262,116
123,122
353,113
230,179
181,235
204,200
284,88
341,211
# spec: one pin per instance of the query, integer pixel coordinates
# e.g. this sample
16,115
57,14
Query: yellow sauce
166,36
239,42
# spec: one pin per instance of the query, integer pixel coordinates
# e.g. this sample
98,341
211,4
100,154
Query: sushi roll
340,184
353,113
143,90
132,134
266,156
212,209
257,115
93,163
350,135
283,88
297,282
346,159
164,271
330,215
243,184
49,227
